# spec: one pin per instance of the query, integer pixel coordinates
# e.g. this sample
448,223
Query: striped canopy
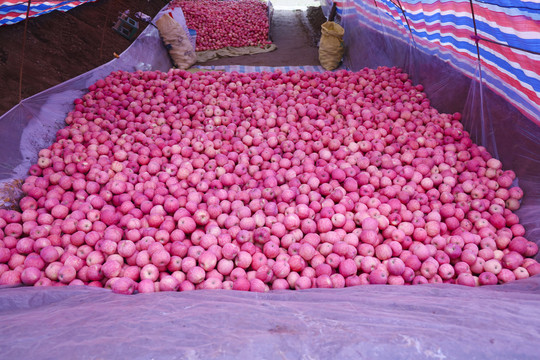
498,40
11,12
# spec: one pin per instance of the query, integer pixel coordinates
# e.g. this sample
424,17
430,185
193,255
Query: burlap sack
331,46
177,42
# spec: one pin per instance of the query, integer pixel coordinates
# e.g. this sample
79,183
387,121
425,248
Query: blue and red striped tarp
11,11
507,32
327,6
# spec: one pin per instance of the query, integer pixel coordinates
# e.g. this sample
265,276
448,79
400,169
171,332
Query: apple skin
256,285
303,282
161,258
207,260
533,269
348,267
506,275
10,277
446,271
531,249
429,269
66,274
213,284
196,275
241,284
51,271
168,283
383,252
466,279
49,254
378,277
150,272
124,286
518,244
146,286
30,275
395,266
111,269
521,273
43,281
493,266
419,279
396,280
488,278
512,260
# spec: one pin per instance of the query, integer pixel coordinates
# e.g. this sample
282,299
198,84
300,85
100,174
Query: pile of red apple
180,181
221,24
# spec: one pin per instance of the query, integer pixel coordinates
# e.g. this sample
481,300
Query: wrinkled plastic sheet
370,322
326,6
409,322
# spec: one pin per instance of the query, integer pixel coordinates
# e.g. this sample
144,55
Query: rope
475,31
23,47
407,21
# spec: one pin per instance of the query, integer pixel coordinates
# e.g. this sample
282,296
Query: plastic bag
326,6
331,47
178,15
177,42
10,193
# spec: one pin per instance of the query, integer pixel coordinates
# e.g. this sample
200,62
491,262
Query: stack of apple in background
222,24
178,181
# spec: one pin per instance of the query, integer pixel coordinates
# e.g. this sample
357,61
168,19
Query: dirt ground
316,18
62,45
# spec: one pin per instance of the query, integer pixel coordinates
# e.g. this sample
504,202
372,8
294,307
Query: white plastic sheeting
369,322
